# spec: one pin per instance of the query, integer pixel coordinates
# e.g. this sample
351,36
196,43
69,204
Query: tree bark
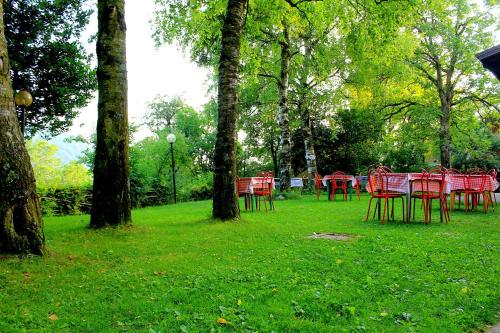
310,153
444,131
21,226
225,199
283,113
111,193
274,153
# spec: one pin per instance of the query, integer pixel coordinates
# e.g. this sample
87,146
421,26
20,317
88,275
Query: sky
151,71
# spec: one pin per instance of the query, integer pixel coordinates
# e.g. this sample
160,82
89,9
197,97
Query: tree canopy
49,60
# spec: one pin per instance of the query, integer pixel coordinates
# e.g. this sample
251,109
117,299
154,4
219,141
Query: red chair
491,194
318,181
339,182
428,187
378,185
454,173
474,184
357,187
244,190
263,189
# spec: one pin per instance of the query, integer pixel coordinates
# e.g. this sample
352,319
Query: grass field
175,270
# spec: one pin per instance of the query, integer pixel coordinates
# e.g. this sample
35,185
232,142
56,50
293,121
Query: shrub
66,201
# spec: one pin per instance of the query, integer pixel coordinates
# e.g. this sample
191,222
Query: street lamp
23,99
171,139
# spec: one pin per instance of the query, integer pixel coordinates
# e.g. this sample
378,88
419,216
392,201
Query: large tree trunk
225,200
21,227
111,195
445,136
283,114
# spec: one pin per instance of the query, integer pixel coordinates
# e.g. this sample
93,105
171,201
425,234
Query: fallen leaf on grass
238,302
222,321
53,317
338,261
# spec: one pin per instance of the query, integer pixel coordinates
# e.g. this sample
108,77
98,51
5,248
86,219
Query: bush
66,201
202,189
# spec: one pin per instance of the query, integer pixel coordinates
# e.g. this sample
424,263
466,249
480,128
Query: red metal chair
357,188
318,181
378,186
474,184
263,189
428,187
491,194
454,173
243,186
339,182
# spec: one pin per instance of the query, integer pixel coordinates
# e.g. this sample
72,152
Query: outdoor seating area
249,166
445,186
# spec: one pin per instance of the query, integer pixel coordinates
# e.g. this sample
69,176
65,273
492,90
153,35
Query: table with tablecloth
351,182
246,187
409,183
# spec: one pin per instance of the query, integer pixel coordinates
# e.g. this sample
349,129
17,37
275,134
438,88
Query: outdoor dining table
351,181
247,184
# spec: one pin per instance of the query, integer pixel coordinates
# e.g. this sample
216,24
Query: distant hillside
67,151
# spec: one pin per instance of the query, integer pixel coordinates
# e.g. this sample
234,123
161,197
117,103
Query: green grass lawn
177,271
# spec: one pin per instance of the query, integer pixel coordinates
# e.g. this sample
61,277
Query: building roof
490,59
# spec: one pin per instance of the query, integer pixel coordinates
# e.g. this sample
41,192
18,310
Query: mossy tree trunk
225,199
21,226
111,193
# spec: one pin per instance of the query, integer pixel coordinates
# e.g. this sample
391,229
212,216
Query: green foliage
261,274
66,201
47,58
150,159
50,171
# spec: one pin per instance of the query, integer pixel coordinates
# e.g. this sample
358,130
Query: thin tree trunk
111,194
21,226
225,199
310,153
274,154
283,114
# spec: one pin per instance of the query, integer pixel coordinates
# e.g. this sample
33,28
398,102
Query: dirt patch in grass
332,236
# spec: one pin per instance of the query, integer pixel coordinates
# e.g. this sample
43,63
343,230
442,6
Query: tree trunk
111,194
21,226
225,199
310,153
274,154
444,133
283,114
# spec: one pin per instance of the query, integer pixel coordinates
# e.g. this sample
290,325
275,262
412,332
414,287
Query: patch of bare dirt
332,236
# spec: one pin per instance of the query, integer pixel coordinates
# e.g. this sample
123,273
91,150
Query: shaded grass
176,270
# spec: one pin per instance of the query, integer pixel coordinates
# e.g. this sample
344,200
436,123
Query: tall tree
225,202
451,32
48,59
111,194
21,227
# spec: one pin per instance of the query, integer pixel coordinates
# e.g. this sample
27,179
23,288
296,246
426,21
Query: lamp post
23,99
171,139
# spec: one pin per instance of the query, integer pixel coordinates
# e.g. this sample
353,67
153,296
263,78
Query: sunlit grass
176,270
